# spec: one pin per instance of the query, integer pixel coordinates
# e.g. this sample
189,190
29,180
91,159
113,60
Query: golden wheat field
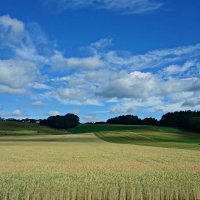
84,167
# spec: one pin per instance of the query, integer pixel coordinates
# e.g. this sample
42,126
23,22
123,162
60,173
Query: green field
98,162
143,135
23,128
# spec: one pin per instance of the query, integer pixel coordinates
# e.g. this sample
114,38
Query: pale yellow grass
85,167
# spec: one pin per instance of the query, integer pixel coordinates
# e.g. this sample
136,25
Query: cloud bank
118,82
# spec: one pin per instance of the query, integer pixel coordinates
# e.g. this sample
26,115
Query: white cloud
88,62
23,62
39,86
69,93
53,113
90,118
11,31
125,6
15,75
193,102
102,43
133,85
156,80
175,85
190,100
152,59
58,61
119,81
38,104
74,96
130,105
177,69
11,23
155,104
145,90
16,113
27,52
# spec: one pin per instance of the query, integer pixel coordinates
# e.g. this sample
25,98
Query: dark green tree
150,121
195,123
61,122
125,119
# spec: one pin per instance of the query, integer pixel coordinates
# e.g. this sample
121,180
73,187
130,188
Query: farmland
98,162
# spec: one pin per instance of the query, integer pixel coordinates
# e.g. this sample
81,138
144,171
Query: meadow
98,162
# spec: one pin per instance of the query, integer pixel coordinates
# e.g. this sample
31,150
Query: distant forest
183,119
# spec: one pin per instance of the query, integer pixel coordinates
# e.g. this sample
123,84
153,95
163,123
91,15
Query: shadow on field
122,139
148,136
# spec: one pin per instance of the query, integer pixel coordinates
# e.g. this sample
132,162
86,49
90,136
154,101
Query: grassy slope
20,128
88,128
143,135
140,135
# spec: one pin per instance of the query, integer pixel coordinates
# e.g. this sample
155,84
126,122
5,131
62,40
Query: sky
99,58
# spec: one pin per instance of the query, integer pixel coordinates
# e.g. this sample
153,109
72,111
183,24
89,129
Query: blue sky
99,59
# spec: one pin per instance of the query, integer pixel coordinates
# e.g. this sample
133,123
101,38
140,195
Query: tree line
132,120
182,119
59,122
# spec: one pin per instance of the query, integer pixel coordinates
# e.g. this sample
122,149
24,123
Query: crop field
98,162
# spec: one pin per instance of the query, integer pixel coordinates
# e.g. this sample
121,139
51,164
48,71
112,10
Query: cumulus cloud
21,62
130,105
145,90
143,85
74,96
118,81
157,80
193,102
133,85
68,93
175,85
11,23
126,6
16,75
10,29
